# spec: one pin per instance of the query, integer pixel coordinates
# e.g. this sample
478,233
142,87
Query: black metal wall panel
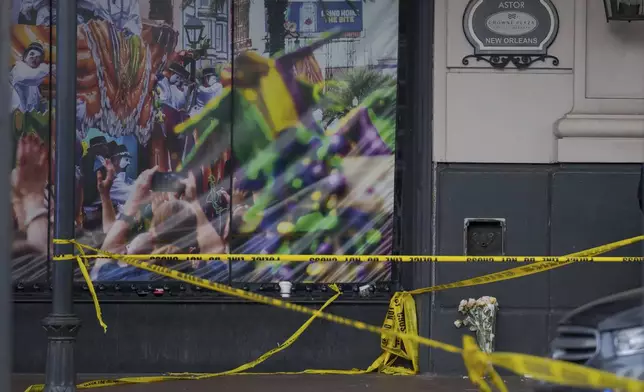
154,338
519,195
592,206
549,210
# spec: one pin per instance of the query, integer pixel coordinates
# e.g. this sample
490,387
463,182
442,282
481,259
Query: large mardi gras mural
290,153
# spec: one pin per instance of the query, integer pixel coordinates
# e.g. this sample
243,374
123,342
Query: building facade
241,26
553,150
545,160
217,29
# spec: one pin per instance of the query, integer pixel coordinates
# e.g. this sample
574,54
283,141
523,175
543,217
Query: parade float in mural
273,153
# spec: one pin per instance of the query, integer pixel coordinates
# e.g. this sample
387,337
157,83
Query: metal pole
5,217
62,324
420,208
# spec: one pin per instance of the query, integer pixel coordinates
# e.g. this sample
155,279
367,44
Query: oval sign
511,23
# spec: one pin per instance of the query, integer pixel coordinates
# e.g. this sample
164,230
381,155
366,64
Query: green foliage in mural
356,85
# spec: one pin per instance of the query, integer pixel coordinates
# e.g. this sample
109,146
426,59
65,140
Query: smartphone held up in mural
167,182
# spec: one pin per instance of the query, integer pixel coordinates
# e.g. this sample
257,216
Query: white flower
458,323
462,305
471,302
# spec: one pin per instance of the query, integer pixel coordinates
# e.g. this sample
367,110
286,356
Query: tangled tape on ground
399,334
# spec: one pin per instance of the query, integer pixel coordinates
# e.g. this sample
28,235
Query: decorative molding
600,126
520,61
601,149
600,138
597,130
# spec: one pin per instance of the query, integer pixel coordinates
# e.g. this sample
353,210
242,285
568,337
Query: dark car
607,334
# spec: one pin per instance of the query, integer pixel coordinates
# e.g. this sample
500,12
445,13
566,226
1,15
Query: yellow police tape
195,376
399,337
371,259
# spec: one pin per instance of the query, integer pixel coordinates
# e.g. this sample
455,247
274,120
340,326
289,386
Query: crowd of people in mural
267,155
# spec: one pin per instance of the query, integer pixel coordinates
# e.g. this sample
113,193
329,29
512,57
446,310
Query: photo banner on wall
312,17
31,60
191,148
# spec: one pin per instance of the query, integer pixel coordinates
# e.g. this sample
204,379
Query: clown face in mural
26,77
209,89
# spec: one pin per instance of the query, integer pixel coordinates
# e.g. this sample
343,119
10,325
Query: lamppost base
60,372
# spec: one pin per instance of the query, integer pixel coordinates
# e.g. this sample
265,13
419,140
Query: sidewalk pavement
296,383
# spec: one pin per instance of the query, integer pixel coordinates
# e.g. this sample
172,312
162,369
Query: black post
276,15
417,176
193,70
62,324
5,217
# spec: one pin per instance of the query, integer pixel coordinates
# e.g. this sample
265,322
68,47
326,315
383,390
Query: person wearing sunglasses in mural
172,91
209,89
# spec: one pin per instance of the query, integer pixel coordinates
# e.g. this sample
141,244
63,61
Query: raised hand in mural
117,235
30,175
157,199
204,230
103,185
189,192
28,181
16,203
207,237
238,197
141,192
104,182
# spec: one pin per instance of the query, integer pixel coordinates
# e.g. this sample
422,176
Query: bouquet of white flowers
480,317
